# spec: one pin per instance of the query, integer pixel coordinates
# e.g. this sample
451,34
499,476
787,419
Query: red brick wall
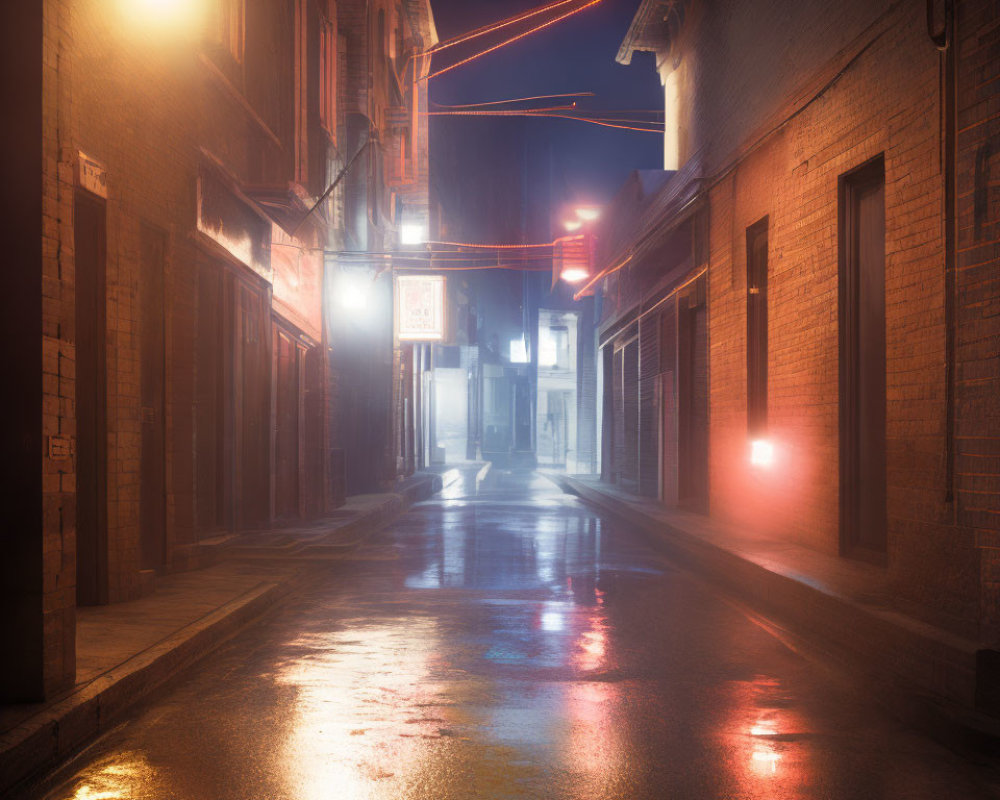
58,363
977,294
884,101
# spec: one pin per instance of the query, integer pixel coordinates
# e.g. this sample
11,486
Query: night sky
585,163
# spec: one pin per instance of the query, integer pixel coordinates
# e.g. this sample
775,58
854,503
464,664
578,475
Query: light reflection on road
514,645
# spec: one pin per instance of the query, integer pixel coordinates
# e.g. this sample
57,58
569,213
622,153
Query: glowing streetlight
161,13
412,233
573,225
354,290
588,213
574,274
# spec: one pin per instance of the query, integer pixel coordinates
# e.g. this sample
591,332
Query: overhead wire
496,26
513,39
516,100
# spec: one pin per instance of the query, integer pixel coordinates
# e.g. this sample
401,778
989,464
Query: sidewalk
126,650
928,676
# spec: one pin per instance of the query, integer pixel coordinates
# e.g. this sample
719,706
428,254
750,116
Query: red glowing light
761,453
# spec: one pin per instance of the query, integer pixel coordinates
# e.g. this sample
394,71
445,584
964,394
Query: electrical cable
496,26
513,39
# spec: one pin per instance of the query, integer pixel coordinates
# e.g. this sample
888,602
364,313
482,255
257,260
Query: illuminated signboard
420,308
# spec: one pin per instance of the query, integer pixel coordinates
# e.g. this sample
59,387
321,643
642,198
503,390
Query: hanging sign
92,175
420,308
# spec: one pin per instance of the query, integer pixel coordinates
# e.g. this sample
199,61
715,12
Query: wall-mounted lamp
761,453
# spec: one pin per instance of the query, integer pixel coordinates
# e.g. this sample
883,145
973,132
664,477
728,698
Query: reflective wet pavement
505,641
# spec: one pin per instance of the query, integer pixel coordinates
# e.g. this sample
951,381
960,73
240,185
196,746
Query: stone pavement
126,650
940,682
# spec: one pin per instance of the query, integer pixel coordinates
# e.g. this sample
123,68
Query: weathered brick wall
744,61
151,105
884,100
58,356
977,294
135,110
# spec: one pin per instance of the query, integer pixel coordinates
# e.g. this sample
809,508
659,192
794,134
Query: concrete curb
61,728
926,676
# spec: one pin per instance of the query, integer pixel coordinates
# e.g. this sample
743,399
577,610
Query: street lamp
412,233
162,15
573,255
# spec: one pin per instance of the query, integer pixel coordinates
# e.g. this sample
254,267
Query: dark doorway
607,414
288,413
313,425
757,329
91,401
152,497
213,440
252,406
692,400
630,416
862,362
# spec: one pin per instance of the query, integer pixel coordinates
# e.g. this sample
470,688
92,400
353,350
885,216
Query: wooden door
862,384
251,369
692,350
213,423
152,490
287,426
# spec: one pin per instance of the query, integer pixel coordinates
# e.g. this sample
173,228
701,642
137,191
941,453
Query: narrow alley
504,640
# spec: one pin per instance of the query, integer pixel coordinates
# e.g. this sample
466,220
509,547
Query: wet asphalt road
510,644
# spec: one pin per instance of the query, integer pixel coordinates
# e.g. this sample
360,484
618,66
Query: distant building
521,410
174,326
802,312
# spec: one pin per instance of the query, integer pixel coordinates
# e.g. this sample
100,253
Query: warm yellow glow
163,15
574,274
572,225
588,213
119,776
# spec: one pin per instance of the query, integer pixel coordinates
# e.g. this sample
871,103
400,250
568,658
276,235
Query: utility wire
513,39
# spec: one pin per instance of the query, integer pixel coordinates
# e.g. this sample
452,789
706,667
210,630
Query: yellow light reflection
123,776
362,710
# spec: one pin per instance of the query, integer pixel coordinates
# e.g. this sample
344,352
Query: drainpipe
944,39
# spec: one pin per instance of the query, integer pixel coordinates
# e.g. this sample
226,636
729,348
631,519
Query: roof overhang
652,28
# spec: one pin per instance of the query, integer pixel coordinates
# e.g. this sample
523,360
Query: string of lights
513,39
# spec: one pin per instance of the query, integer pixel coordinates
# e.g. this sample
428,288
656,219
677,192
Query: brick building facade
801,314
162,174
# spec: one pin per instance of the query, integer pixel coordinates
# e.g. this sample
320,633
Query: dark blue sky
577,54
